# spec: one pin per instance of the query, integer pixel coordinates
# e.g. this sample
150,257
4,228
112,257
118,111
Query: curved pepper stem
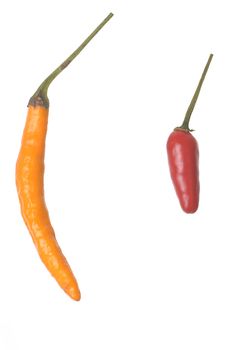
40,96
185,125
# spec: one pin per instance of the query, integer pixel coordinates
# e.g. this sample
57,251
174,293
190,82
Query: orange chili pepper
30,180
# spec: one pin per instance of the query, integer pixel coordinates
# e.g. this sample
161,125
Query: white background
151,276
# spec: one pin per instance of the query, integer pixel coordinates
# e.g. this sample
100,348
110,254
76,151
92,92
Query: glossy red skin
183,158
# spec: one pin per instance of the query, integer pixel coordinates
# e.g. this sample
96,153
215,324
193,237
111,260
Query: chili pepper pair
183,157
183,160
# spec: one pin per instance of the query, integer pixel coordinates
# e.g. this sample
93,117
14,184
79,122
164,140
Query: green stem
185,125
40,96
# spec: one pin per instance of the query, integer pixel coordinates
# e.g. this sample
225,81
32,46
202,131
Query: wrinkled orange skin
30,187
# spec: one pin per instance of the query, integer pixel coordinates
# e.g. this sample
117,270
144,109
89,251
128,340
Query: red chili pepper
183,157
